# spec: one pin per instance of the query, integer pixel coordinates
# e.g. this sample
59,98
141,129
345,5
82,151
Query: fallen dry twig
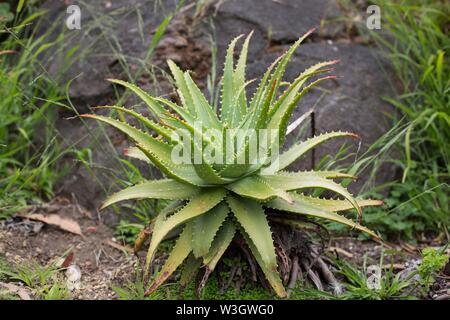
119,246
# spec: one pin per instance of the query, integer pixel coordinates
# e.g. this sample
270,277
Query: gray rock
272,22
114,35
278,20
114,39
113,42
353,102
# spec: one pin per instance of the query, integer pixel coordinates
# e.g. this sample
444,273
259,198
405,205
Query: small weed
133,290
32,274
357,285
433,260
58,291
127,232
45,282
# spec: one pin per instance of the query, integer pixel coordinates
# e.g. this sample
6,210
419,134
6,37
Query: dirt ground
104,262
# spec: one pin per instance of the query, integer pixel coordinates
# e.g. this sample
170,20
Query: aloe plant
213,201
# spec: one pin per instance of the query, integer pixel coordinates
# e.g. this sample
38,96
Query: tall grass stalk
419,51
28,149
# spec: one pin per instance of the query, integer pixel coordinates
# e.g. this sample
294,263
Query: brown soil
105,263
101,260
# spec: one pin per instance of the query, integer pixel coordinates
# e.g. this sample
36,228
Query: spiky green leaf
289,183
281,67
179,252
271,275
308,209
228,86
158,152
156,189
190,270
151,103
257,188
336,205
205,113
183,90
205,228
166,133
221,242
252,218
197,206
239,108
299,149
136,153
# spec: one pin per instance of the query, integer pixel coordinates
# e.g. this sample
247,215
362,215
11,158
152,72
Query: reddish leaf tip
310,31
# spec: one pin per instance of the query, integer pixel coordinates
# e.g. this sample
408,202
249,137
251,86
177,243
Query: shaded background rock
273,22
279,21
114,42
114,37
352,102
